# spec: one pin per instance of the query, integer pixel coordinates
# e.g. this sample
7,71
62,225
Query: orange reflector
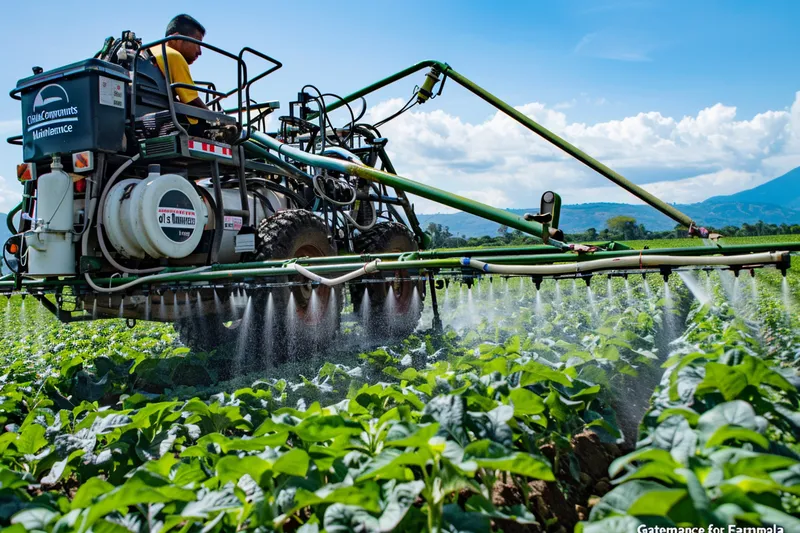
13,248
25,172
83,161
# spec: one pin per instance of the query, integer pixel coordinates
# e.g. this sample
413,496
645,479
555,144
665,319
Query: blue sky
617,77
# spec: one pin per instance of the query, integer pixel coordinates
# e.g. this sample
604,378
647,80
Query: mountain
783,191
774,202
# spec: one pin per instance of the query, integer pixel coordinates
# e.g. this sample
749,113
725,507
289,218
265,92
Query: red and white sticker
212,149
232,223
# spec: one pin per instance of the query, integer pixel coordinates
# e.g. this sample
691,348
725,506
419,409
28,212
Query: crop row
454,432
719,444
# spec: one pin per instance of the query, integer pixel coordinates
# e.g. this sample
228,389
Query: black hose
352,116
274,187
411,103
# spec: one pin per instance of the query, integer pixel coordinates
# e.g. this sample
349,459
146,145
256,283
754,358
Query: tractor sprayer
139,206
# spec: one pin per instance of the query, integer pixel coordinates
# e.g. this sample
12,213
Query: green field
571,408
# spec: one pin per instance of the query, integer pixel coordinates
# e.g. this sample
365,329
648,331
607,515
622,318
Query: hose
358,226
10,218
321,193
368,268
139,281
100,239
629,262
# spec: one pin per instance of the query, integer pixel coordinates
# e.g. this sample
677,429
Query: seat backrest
151,87
152,96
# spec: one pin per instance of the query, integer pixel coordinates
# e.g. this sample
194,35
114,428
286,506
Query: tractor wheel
392,308
206,333
195,332
305,319
223,334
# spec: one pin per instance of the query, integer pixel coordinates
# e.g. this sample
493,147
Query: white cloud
10,194
682,160
609,44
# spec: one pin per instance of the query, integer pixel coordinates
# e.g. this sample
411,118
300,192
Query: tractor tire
202,334
305,319
394,306
221,335
280,323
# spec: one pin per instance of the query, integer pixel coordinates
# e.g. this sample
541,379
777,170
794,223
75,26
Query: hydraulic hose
101,240
368,268
139,281
631,262
93,203
10,218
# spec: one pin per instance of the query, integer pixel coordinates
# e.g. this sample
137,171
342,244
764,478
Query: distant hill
783,191
774,202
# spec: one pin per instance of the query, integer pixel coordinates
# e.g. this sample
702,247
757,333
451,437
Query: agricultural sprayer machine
138,206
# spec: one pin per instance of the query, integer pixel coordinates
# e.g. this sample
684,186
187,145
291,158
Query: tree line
619,228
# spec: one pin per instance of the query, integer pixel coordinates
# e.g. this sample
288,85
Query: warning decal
232,223
211,149
112,92
176,216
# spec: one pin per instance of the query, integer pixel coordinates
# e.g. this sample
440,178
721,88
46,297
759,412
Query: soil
559,505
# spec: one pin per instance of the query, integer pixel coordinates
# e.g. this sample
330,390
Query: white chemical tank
233,224
160,216
50,245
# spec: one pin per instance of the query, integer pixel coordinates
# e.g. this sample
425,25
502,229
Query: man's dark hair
183,24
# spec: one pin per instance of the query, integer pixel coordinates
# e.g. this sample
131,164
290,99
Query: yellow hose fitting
426,91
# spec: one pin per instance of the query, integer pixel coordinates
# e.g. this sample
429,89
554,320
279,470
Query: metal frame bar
443,197
528,123
432,260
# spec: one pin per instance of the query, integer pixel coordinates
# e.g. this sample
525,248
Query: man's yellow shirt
178,73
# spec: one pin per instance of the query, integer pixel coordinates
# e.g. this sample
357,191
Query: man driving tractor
180,55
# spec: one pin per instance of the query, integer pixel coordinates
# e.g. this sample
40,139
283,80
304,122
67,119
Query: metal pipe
398,182
530,124
572,150
345,264
260,151
642,262
380,84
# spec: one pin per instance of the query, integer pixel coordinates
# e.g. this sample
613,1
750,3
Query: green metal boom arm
259,141
530,124
435,259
